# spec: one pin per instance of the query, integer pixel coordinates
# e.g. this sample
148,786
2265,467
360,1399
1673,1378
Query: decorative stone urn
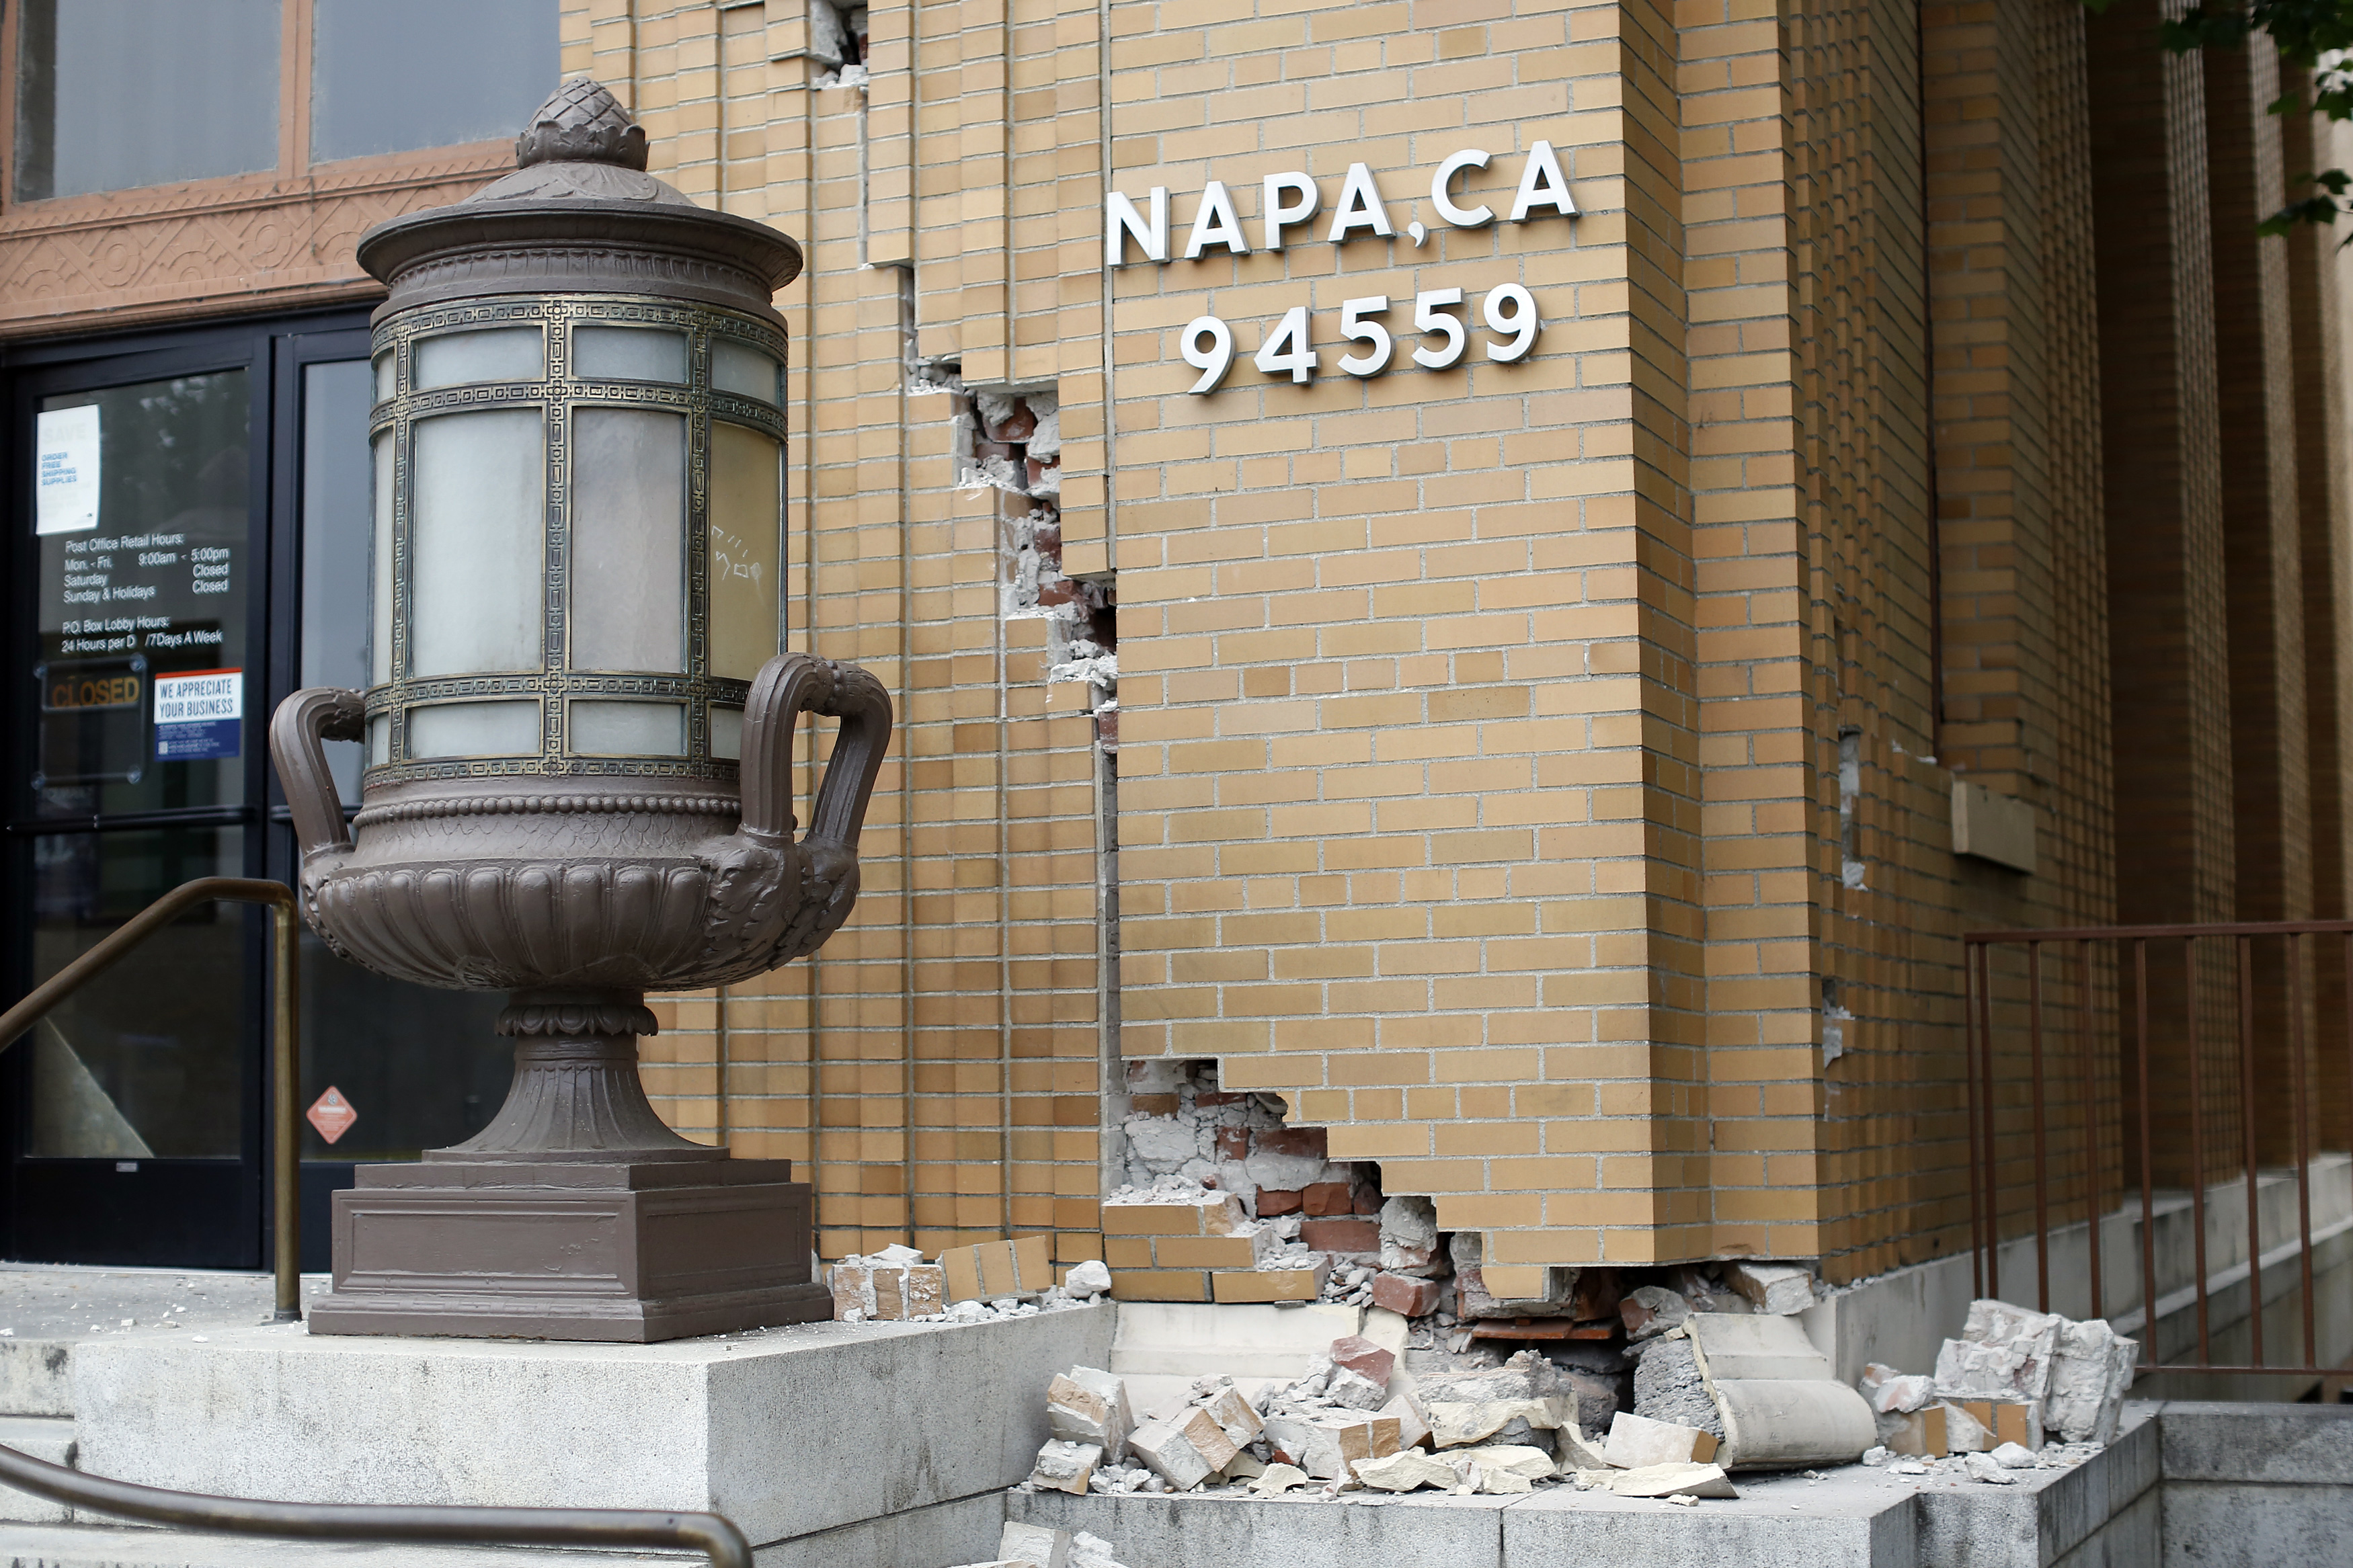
578,739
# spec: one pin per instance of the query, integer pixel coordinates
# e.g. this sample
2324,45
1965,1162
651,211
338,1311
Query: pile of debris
1037,1546
2017,1390
1356,1420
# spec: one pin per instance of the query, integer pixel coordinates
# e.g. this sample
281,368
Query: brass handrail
714,1536
285,982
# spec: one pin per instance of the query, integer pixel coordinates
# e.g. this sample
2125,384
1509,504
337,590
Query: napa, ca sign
1291,201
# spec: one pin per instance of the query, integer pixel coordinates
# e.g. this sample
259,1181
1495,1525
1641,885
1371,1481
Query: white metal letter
1216,224
1274,215
1461,217
1542,185
1360,207
1122,223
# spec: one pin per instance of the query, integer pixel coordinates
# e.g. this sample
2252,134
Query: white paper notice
66,470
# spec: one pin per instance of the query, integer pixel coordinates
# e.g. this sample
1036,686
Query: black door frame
165,1213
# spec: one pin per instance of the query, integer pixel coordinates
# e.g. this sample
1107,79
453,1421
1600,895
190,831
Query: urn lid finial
581,122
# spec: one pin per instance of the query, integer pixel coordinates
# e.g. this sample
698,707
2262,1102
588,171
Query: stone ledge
2293,1445
787,1431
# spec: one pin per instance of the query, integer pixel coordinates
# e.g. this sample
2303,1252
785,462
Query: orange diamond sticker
332,1114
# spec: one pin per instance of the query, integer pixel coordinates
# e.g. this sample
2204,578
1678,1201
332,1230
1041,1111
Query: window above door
115,95
290,125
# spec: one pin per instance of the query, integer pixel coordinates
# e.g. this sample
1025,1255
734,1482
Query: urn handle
312,715
792,684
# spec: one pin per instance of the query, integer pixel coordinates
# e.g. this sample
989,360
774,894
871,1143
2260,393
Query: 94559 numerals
1509,313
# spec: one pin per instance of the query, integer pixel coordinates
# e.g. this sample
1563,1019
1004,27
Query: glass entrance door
188,524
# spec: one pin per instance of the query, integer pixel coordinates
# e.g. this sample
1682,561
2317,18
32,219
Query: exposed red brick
1405,1294
1233,1142
1306,1141
1366,1359
1273,1201
1348,1234
1329,1197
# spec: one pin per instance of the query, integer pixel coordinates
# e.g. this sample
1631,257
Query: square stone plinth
787,1431
636,1252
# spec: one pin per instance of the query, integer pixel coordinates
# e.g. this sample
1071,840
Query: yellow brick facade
1526,770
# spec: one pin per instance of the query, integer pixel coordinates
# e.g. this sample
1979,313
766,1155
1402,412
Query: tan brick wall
1480,733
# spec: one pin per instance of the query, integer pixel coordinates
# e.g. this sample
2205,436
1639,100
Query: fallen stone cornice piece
1782,1403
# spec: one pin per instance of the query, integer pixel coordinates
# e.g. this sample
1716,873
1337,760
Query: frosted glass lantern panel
493,353
727,733
479,545
628,354
380,565
628,539
628,729
745,372
504,728
746,541
385,366
379,740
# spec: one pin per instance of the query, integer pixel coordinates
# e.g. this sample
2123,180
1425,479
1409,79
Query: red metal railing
2172,1060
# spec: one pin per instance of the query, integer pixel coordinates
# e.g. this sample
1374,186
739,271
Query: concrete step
47,1308
127,1546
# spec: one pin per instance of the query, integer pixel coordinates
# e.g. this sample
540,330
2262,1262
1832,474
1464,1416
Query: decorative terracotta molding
131,258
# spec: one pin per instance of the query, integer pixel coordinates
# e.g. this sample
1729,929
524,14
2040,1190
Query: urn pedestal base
634,1251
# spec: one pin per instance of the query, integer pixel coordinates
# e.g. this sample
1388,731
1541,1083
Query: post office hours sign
1441,320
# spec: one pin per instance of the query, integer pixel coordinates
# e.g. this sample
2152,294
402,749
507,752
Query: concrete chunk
1233,1413
1455,1424
1637,1442
2091,1372
1408,1235
2004,1353
1576,1451
1669,1385
1413,1422
1404,1471
1085,1405
1891,1392
1034,1544
1673,1480
1919,1434
1277,1480
1066,1467
1507,1467
1358,1392
1325,1446
1986,1467
1780,1288
1652,1309
1168,1450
